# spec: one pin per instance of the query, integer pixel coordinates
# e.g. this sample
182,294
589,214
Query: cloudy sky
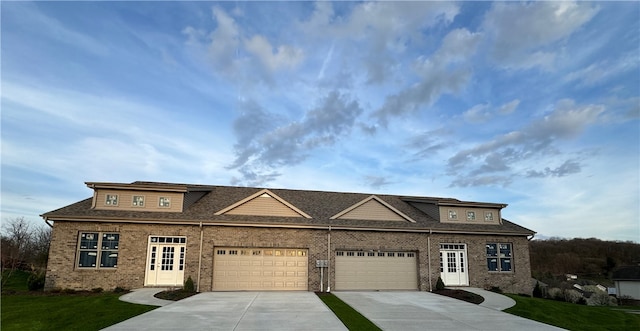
535,105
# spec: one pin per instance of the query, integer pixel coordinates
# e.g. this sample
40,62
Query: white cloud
287,57
521,33
600,72
509,107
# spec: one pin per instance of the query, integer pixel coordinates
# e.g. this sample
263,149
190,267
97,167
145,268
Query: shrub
188,285
119,290
439,284
572,296
537,291
601,299
555,294
97,290
35,281
496,289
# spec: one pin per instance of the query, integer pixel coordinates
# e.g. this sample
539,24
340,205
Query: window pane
492,264
87,259
110,241
492,250
88,240
505,250
505,264
109,259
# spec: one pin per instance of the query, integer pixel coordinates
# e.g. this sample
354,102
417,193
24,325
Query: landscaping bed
461,295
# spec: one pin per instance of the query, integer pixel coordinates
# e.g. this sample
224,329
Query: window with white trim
499,257
111,200
138,201
488,216
471,215
453,215
98,250
164,202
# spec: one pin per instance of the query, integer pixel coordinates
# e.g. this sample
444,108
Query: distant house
242,238
627,281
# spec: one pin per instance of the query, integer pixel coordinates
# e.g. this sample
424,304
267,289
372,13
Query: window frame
101,249
488,216
453,214
138,203
111,200
164,202
471,215
501,256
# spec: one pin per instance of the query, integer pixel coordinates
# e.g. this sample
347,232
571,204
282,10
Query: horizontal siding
462,215
372,210
264,206
151,200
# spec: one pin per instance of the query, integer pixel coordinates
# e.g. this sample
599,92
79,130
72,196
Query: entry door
165,264
453,265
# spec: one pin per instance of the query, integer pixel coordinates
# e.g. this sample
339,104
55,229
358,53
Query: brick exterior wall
130,273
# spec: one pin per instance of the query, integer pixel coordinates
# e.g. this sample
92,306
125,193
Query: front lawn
573,316
37,310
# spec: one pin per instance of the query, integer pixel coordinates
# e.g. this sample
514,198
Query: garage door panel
260,269
376,271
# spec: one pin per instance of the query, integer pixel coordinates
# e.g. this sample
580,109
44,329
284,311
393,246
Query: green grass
17,281
352,319
24,310
573,316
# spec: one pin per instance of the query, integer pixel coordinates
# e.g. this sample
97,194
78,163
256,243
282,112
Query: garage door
260,269
357,270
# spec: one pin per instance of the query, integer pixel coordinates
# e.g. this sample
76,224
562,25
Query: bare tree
23,247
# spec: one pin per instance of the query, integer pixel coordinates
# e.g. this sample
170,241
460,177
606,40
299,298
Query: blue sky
535,105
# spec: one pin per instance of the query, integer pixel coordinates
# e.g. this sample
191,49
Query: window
112,200
488,216
453,215
164,202
471,216
499,257
98,250
138,201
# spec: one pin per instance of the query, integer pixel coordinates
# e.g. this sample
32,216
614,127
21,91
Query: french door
453,265
165,261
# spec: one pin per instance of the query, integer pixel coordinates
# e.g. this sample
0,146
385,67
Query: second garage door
260,269
358,270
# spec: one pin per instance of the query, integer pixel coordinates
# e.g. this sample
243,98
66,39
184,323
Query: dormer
455,211
143,196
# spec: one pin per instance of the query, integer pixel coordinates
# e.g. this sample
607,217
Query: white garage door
357,270
260,269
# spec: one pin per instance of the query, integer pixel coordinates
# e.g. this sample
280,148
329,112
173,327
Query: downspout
329,260
46,220
533,235
429,259
199,259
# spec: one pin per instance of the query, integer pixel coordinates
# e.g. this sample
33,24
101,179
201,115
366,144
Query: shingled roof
319,205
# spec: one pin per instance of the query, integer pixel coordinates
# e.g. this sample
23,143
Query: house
242,238
627,282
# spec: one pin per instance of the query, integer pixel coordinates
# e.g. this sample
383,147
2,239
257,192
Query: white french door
165,261
453,265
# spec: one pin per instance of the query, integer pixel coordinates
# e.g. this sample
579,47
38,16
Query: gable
373,209
263,203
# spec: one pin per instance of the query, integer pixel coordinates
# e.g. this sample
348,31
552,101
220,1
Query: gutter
285,226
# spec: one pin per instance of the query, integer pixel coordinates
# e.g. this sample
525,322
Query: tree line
23,246
587,258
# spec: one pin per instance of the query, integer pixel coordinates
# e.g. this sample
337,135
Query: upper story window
453,215
471,216
111,200
98,250
488,216
499,257
138,201
164,202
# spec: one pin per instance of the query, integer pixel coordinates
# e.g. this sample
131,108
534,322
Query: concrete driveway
238,311
427,311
